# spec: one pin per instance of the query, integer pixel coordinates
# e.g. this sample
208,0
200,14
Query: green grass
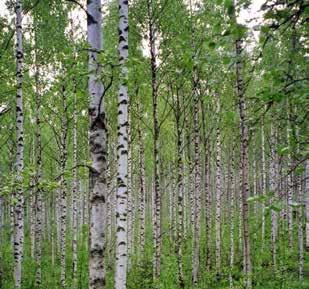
140,269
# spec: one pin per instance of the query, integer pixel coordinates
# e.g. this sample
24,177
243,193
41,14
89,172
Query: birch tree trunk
218,189
63,194
180,189
273,189
38,177
32,213
98,148
74,193
131,208
156,188
244,165
289,187
231,217
142,183
300,231
207,187
19,164
122,152
197,179
264,182
300,227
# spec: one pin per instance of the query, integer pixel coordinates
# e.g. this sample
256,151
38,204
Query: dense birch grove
154,144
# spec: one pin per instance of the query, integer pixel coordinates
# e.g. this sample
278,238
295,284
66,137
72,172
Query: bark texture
122,152
98,148
19,164
218,189
244,136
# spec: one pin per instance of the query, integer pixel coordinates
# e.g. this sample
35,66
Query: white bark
180,194
19,205
244,165
231,217
131,210
122,152
38,177
74,194
273,188
63,193
218,189
300,227
156,185
142,183
197,180
289,191
98,148
263,181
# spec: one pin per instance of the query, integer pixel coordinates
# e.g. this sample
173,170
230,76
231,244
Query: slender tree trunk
98,148
264,182
244,166
306,187
300,232
32,213
38,177
254,173
289,187
142,183
207,188
300,215
122,152
197,179
1,220
180,189
218,189
157,195
63,195
19,205
273,189
130,192
74,194
231,217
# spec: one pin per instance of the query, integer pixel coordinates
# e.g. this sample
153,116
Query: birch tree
122,152
98,148
19,163
244,164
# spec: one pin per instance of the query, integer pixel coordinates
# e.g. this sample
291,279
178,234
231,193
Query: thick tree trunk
122,152
244,166
98,148
19,164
